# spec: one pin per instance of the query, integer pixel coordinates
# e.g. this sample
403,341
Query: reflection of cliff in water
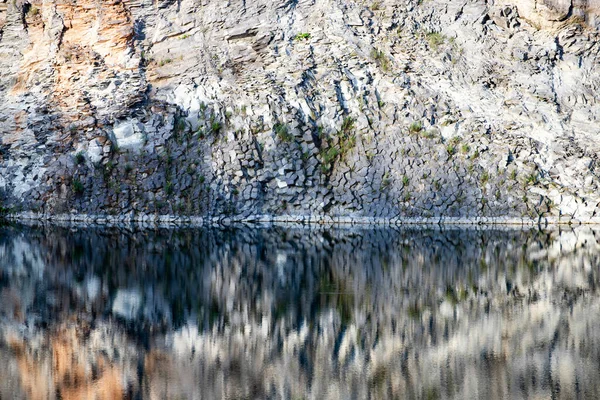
296,313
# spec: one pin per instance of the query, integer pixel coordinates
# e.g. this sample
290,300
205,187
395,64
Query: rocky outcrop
328,107
549,12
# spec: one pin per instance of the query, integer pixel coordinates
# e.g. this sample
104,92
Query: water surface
287,313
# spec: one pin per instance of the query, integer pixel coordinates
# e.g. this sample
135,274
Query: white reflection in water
290,313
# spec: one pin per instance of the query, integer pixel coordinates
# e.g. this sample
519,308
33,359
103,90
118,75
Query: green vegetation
485,177
282,132
381,59
415,127
346,140
169,188
428,134
215,127
79,158
347,125
180,124
328,156
376,6
451,149
77,186
303,36
164,62
532,179
387,180
435,40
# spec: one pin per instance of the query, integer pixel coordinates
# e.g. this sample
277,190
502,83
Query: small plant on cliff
303,36
215,126
282,132
381,59
33,11
77,186
532,179
435,40
164,62
386,181
179,124
169,188
347,125
415,127
451,149
429,134
485,177
328,156
79,158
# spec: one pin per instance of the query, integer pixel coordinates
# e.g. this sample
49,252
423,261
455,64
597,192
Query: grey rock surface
338,108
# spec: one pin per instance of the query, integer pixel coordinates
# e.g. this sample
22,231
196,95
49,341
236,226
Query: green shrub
169,188
328,156
532,179
415,127
215,127
79,158
179,124
485,177
429,134
164,62
77,186
381,59
386,181
435,40
282,132
348,125
303,36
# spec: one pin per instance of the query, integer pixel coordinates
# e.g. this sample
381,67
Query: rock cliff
300,107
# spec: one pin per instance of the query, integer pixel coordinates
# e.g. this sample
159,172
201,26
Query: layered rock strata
327,107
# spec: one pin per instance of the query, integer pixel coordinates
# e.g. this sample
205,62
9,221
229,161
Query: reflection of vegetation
414,311
378,283
333,293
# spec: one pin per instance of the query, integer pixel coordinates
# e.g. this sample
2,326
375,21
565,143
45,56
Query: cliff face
389,108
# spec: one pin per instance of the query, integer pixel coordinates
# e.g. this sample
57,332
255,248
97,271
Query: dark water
283,313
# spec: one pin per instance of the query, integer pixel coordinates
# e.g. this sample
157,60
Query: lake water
287,313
